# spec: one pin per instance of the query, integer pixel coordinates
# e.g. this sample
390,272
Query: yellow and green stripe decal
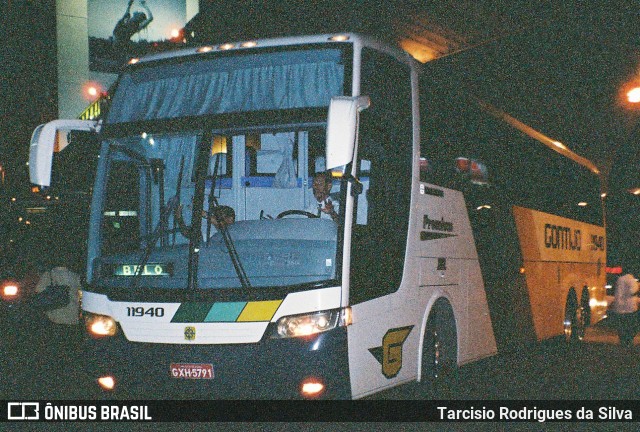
254,311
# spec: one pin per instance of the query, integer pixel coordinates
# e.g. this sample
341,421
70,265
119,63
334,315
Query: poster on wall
122,29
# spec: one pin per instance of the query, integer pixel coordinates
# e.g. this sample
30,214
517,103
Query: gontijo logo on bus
389,355
561,237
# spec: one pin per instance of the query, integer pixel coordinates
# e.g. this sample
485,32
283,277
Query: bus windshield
257,173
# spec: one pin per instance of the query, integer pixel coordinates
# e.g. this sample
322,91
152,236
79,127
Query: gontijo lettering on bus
560,237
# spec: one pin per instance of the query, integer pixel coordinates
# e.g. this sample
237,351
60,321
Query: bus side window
466,173
316,150
380,233
438,162
250,161
220,157
364,173
475,171
426,170
271,159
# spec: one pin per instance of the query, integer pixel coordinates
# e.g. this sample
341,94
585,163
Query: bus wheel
440,347
586,308
573,319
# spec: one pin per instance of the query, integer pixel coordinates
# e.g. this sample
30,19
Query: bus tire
586,308
573,319
440,346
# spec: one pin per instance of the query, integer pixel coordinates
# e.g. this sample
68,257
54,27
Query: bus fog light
100,325
311,387
107,382
312,323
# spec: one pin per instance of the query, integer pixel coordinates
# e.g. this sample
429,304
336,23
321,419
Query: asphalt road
547,371
598,369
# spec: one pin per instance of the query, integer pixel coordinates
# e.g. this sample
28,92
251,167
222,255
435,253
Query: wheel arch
573,324
437,301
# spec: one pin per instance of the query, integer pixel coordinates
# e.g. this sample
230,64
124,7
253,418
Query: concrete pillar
73,56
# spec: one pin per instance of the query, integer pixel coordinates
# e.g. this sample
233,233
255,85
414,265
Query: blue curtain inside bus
295,79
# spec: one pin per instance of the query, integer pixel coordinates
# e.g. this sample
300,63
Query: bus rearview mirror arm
43,142
356,184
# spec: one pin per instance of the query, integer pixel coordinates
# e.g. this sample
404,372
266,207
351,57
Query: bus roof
253,43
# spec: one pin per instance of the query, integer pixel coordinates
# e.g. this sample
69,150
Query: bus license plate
191,370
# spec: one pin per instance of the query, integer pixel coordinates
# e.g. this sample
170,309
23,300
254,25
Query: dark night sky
28,85
562,77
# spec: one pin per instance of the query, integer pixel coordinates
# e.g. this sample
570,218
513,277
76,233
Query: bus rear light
311,387
594,303
107,382
100,325
10,291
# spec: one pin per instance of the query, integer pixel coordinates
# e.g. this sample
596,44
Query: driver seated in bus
221,216
323,206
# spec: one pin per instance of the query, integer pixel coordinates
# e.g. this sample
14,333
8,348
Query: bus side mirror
342,129
43,143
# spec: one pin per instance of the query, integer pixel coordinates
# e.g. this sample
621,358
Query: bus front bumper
270,369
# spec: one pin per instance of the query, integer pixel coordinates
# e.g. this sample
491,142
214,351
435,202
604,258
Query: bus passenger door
383,334
380,354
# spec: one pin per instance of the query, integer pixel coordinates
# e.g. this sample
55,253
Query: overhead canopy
426,29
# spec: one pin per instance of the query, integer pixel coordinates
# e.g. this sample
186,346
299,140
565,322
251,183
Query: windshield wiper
132,154
224,231
193,232
159,231
153,238
177,219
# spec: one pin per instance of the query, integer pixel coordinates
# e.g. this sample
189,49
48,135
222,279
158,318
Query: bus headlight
100,325
311,323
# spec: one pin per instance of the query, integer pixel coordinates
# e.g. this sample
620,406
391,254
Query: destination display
151,269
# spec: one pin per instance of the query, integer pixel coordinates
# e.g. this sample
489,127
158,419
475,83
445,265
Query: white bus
284,304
